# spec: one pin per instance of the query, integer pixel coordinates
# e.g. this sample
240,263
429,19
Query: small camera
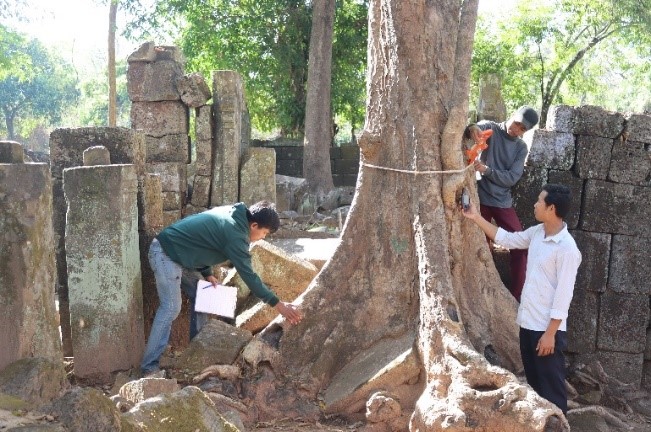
465,199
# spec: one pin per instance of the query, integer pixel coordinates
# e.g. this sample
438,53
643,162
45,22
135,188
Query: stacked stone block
27,266
604,158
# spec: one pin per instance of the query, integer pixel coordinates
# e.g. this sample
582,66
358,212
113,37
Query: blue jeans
170,277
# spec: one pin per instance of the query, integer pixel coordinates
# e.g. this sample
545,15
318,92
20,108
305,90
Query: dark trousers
507,219
546,374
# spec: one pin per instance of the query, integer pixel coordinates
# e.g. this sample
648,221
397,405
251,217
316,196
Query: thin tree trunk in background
112,107
318,119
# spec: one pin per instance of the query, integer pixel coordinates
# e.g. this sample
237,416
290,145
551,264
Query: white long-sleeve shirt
552,264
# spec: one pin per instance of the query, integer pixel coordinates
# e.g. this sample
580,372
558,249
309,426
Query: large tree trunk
112,108
412,278
318,119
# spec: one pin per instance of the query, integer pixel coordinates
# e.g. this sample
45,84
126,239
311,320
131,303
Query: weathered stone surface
201,191
103,260
11,152
173,200
630,265
316,251
228,101
168,148
258,175
623,320
154,81
217,343
150,203
381,407
85,409
560,118
173,176
160,118
35,380
596,121
204,123
593,157
646,375
624,366
28,317
582,322
145,388
491,104
193,89
288,192
525,194
96,155
189,409
258,351
593,271
616,208
171,216
638,127
571,180
550,149
630,162
145,53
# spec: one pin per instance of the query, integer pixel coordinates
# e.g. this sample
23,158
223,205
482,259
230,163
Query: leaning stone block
630,265
96,155
622,322
145,388
173,175
549,149
596,121
204,122
28,317
560,118
151,203
258,175
145,53
571,180
103,259
160,118
193,89
168,148
201,191
593,157
638,128
154,81
525,194
630,162
11,152
593,271
582,322
616,208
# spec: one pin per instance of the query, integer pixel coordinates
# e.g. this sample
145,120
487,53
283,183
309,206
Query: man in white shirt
549,284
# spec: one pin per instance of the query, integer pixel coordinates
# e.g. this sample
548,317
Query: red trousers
507,219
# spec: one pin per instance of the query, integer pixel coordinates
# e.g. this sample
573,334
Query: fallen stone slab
316,251
145,388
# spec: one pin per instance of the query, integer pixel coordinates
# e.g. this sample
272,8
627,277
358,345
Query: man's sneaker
154,373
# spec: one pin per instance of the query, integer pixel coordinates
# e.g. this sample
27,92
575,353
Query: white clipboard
218,301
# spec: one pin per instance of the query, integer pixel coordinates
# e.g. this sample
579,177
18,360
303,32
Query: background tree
112,92
318,120
40,88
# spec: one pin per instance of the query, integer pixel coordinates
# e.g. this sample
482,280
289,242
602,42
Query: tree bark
411,271
318,118
112,108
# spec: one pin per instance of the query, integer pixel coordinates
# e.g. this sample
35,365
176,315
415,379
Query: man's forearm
488,228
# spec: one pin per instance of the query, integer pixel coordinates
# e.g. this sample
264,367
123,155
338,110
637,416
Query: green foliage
267,42
40,87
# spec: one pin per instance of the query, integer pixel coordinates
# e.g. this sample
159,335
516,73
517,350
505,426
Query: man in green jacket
197,243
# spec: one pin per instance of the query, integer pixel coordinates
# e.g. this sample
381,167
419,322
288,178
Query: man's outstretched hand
289,311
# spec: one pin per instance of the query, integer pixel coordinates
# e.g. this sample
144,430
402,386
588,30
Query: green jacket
212,237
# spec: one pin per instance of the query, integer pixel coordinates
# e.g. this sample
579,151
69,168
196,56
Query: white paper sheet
219,301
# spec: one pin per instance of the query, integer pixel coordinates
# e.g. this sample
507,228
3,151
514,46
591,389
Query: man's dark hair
264,214
560,196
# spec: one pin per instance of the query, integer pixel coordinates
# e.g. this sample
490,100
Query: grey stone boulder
34,380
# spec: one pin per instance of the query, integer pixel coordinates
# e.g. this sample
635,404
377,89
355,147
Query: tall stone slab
103,263
27,270
228,100
491,103
258,175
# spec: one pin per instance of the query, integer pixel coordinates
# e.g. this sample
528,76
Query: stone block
647,350
345,166
616,208
204,123
340,180
145,53
593,157
560,118
623,320
173,201
550,149
96,155
623,366
630,266
582,322
33,379
67,147
596,121
11,152
571,180
28,316
491,103
646,375
150,203
142,389
171,216
103,263
289,167
258,175
168,148
160,118
638,128
593,271
287,191
154,81
201,191
173,175
193,89
350,152
525,194
630,162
